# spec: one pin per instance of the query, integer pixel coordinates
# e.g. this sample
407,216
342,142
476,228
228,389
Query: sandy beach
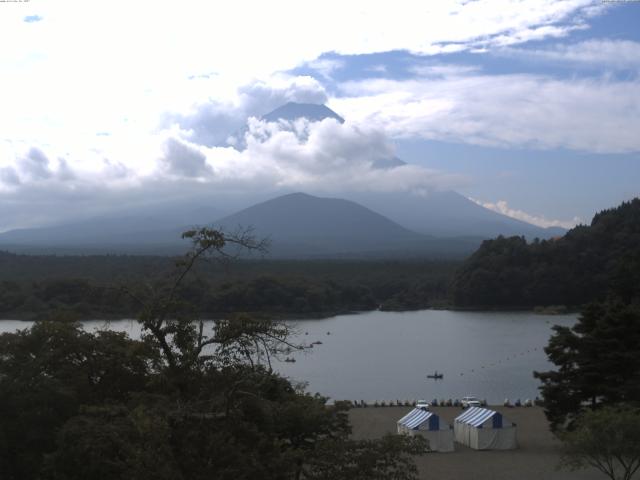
536,458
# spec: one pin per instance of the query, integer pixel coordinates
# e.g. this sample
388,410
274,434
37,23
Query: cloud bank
323,157
595,53
91,119
502,207
518,110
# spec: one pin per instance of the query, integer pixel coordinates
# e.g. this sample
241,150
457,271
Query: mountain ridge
303,224
436,215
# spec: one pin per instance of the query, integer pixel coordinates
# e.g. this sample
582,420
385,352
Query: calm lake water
386,356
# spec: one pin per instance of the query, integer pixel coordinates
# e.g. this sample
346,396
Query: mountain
585,265
442,214
303,225
298,225
449,214
421,224
293,111
149,230
94,231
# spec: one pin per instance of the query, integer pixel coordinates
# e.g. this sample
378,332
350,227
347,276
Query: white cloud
64,172
9,176
98,88
184,160
379,68
596,53
321,156
88,67
326,66
531,33
443,70
331,157
211,121
502,207
35,164
519,110
117,67
317,157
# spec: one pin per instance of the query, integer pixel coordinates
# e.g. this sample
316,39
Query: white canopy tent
484,429
427,424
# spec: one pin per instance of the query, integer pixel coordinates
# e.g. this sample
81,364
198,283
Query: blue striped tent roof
476,416
417,417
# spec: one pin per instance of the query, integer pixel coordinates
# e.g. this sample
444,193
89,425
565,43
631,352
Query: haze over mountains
299,225
303,225
450,214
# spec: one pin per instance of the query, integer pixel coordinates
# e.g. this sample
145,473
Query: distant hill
303,225
450,214
299,226
150,231
129,230
588,263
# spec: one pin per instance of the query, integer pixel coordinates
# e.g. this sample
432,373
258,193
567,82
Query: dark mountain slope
297,222
303,225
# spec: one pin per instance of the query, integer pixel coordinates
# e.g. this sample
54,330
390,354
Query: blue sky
530,108
571,183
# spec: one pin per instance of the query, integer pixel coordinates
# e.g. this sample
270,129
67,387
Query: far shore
536,458
287,316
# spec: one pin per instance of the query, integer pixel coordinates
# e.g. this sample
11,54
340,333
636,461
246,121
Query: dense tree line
573,270
83,286
180,403
598,362
592,397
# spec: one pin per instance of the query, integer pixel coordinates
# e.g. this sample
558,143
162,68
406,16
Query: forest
504,273
96,286
181,402
580,267
99,405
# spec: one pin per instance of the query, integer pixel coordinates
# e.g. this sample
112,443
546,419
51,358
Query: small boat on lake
436,375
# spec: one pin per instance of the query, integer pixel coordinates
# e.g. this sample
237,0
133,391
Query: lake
387,355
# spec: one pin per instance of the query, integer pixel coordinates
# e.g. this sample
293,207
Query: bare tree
171,323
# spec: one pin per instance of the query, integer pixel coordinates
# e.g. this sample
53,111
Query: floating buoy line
500,361
456,403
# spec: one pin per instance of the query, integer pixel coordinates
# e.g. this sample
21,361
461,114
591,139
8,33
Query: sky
530,108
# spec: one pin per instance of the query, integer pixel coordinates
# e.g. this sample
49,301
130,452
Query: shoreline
284,316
